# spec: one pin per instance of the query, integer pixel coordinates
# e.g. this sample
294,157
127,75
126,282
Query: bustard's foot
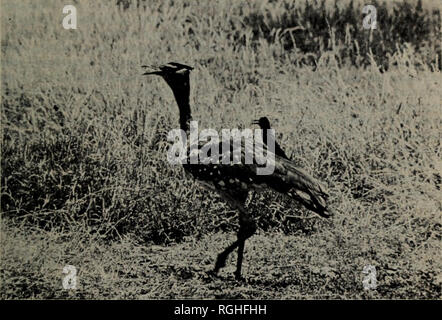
210,276
220,262
239,277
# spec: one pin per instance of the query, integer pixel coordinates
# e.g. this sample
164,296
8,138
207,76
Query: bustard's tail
304,188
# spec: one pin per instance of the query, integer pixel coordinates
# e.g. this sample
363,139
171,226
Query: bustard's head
177,77
263,122
175,74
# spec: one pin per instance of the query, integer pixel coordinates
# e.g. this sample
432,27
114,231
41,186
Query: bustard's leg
247,228
221,260
239,259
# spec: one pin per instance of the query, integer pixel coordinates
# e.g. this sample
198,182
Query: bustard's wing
286,178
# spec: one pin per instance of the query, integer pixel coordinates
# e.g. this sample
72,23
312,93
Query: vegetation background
84,175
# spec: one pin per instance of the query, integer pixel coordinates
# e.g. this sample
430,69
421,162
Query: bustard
264,124
233,182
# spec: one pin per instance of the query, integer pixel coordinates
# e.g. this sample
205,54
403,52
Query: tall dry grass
84,134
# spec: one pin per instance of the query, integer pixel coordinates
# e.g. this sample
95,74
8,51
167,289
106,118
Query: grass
85,180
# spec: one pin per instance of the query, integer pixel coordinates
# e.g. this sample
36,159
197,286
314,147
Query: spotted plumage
234,181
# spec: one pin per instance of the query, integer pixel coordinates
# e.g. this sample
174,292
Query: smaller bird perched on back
264,123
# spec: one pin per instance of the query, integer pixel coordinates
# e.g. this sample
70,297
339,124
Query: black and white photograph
234,152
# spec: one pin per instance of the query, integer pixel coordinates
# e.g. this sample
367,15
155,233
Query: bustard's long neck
181,92
185,116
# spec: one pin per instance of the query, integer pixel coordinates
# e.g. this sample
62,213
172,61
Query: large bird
234,181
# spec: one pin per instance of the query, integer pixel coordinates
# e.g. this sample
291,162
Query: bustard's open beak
156,72
255,122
